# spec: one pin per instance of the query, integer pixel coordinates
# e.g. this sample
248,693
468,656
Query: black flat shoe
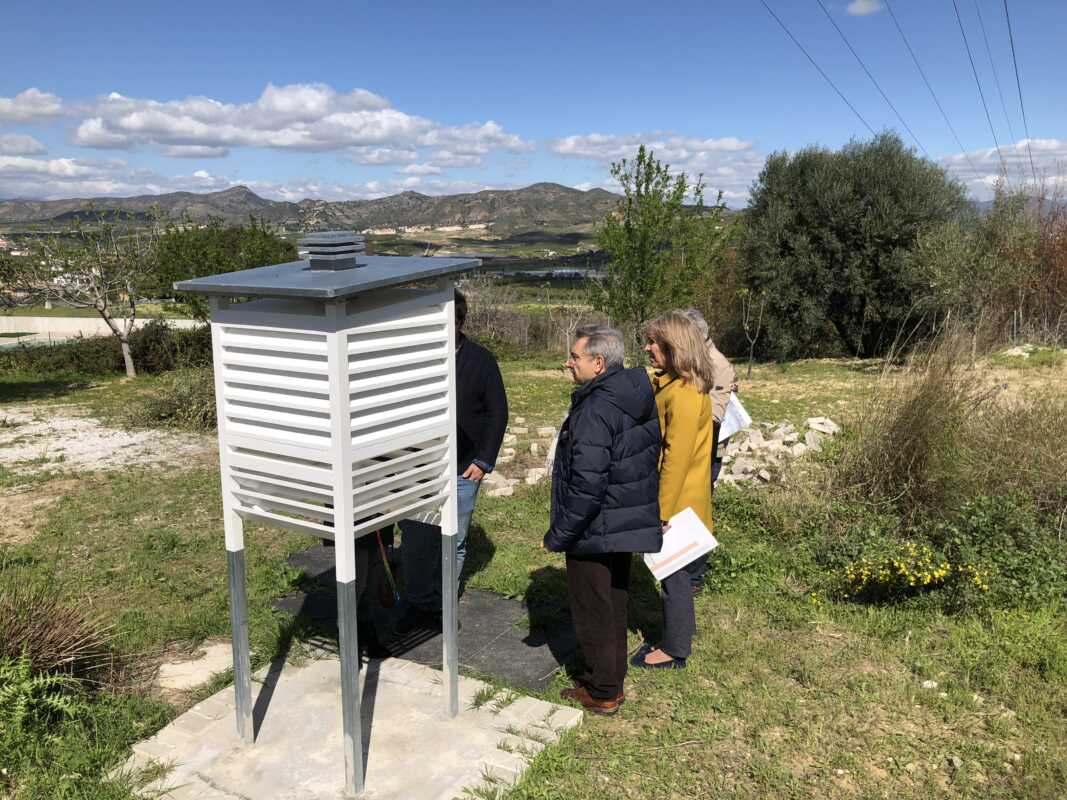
639,661
644,650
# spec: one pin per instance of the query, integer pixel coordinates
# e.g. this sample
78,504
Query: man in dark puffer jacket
605,504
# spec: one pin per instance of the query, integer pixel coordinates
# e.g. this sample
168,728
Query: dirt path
41,446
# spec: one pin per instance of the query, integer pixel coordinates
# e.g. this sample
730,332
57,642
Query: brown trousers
599,591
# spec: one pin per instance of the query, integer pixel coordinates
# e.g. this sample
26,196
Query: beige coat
725,381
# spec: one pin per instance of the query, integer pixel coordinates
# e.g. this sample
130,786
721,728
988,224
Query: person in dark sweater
481,419
605,505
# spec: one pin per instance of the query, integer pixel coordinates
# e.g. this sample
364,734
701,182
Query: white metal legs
350,693
450,654
242,667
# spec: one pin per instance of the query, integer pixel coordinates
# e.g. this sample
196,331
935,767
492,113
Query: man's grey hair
604,342
698,320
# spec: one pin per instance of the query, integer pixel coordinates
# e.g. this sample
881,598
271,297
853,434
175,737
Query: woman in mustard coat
681,382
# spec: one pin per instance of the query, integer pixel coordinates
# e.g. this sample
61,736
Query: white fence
58,328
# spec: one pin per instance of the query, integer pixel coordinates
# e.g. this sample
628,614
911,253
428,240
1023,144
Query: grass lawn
787,695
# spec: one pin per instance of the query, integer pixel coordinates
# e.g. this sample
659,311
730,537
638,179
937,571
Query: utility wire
817,67
978,83
1018,84
933,94
869,75
992,66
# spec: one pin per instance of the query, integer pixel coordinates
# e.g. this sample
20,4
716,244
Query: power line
869,75
993,66
933,94
978,83
817,67
1018,83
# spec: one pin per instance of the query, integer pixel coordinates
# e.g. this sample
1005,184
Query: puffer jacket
605,481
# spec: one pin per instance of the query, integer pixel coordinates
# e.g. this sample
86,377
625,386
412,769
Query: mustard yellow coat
685,458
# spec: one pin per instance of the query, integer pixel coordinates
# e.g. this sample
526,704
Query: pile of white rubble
753,455
754,452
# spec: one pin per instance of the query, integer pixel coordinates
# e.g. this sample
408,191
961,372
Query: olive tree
827,238
102,264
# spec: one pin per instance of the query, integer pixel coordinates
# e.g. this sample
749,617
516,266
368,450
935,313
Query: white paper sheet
734,419
687,540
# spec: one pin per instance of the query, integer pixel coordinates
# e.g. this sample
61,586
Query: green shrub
156,347
31,699
994,553
184,398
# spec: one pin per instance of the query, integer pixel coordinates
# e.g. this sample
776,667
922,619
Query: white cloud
18,144
420,169
861,8
1050,163
382,155
49,179
300,117
728,164
194,151
29,106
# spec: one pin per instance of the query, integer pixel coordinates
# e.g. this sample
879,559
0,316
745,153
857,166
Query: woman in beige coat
681,384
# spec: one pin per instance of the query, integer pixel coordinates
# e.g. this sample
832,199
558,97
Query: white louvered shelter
335,389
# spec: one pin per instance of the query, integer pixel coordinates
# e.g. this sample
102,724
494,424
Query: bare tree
102,266
747,300
565,317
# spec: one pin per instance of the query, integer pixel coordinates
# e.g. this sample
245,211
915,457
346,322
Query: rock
791,438
1016,757
521,431
743,466
504,459
520,420
510,438
744,447
535,449
955,762
929,684
813,439
727,459
507,451
535,475
755,436
546,432
824,425
798,450
502,491
764,476
733,449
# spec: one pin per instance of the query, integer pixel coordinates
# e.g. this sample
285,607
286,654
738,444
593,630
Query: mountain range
539,205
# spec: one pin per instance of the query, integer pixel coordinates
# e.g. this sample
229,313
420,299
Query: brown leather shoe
576,684
581,695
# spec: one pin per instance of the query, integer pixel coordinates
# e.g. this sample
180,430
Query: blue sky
357,100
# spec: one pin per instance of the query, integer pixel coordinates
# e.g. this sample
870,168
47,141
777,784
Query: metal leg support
350,692
450,655
242,666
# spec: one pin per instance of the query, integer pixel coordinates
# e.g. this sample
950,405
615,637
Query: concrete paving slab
190,673
412,750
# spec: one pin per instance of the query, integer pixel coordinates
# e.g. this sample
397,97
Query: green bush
157,347
30,700
185,399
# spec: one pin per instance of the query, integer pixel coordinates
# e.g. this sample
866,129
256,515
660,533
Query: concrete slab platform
411,749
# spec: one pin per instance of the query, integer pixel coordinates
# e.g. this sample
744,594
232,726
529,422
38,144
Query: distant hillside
542,204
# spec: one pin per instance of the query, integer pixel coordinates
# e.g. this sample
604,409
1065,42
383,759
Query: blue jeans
420,550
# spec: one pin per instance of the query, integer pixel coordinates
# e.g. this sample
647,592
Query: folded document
686,540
